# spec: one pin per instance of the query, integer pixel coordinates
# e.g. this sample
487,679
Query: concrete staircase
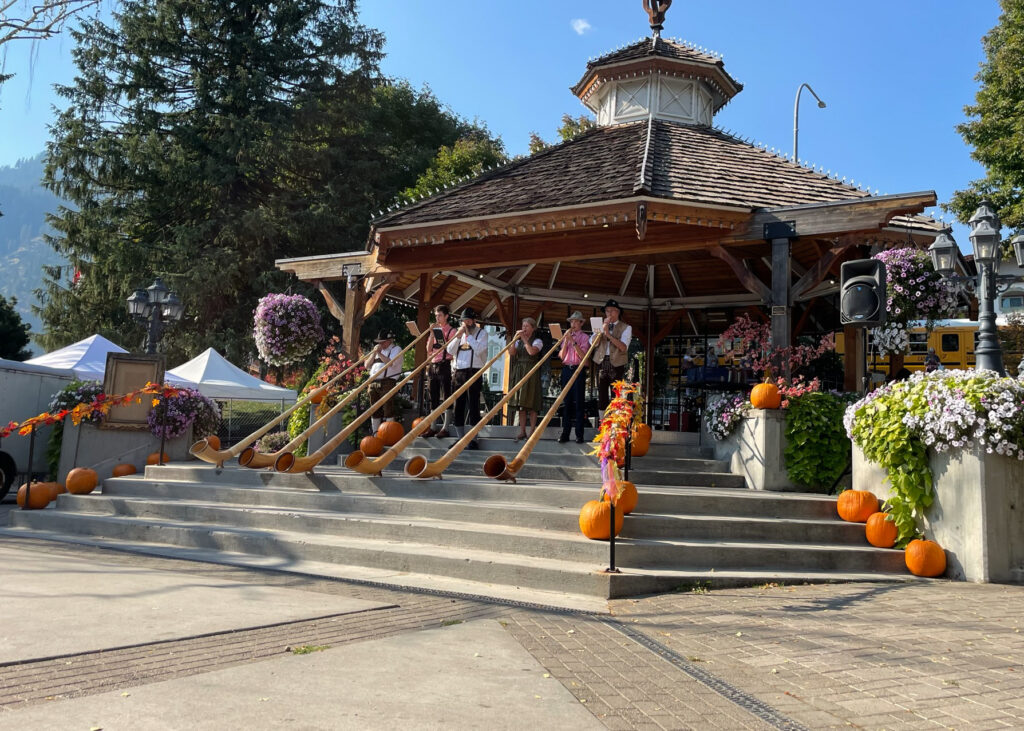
695,525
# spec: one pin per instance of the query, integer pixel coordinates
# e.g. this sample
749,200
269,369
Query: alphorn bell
253,459
288,462
202,449
372,466
497,467
418,465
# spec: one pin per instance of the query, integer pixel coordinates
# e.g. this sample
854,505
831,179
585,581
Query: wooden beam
802,323
537,313
522,274
375,299
332,304
464,298
676,280
817,272
625,279
650,281
554,273
422,322
355,298
438,296
502,314
743,273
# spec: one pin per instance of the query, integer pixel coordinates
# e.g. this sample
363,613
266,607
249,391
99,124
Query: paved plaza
99,639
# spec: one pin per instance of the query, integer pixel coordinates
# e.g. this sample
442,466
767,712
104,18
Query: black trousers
467,406
572,407
439,378
607,374
377,390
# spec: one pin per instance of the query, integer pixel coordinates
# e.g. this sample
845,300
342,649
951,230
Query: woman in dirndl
525,354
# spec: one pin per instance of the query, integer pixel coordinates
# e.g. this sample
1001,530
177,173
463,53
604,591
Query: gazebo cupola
658,77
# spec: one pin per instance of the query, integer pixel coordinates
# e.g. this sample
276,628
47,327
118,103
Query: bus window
950,343
1013,303
918,343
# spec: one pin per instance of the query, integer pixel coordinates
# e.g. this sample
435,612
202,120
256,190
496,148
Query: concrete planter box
977,514
755,450
102,449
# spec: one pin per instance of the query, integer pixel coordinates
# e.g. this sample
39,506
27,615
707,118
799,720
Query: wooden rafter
747,278
816,273
676,280
506,320
438,296
554,274
625,279
333,306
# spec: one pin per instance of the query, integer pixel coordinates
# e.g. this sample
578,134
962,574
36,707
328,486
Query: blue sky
895,75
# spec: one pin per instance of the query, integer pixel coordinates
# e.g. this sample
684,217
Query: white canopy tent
87,360
217,378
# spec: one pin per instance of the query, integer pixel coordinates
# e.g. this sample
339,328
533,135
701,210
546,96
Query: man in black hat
610,356
468,348
383,375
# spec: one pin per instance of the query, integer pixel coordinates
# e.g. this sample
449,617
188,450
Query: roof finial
656,10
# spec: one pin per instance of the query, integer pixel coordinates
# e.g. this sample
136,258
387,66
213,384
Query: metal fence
239,419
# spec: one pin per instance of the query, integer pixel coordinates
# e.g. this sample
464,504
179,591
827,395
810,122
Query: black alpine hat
613,303
384,335
468,314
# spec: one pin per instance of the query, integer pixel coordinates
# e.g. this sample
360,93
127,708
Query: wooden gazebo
675,218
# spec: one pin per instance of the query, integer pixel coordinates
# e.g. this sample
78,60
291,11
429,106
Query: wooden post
355,300
853,358
422,322
652,324
780,312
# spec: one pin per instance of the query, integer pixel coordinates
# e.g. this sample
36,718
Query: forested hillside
24,203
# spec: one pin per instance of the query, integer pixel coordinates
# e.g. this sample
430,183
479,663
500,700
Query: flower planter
103,449
755,450
977,514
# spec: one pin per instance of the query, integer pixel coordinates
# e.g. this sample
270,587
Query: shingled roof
684,163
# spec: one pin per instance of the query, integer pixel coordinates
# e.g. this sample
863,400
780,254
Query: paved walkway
302,652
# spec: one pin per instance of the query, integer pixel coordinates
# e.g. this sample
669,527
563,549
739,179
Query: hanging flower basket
187,407
287,328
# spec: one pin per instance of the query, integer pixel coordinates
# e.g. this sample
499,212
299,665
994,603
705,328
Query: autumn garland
101,405
611,438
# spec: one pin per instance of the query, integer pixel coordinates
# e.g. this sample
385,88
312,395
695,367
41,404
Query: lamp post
796,116
157,305
984,237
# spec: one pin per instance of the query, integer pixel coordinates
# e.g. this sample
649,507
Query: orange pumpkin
856,506
627,498
390,432
59,489
318,396
925,558
125,469
371,446
155,458
416,422
213,441
81,481
39,496
643,431
639,449
54,488
595,517
880,531
765,396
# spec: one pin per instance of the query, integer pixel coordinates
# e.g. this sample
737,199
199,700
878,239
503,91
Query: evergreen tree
202,141
14,335
471,154
571,127
994,128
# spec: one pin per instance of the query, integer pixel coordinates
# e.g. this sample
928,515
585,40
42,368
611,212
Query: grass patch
450,622
307,649
697,587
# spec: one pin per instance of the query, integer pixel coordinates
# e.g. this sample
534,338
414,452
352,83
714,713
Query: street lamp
796,116
984,237
157,305
1018,248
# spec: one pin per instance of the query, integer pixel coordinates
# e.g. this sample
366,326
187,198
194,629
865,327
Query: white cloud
580,25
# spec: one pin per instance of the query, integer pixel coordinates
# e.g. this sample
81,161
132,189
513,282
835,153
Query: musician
610,356
383,378
468,348
572,353
439,372
526,353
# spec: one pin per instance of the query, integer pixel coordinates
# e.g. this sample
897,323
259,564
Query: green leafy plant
307,649
298,422
817,448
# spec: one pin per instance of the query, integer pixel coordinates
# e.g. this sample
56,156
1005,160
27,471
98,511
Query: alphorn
254,460
202,449
360,463
496,465
418,465
288,462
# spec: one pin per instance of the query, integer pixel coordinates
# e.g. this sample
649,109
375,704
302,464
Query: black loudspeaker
862,294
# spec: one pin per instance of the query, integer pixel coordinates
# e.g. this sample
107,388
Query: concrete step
687,461
472,552
551,446
552,433
328,490
440,515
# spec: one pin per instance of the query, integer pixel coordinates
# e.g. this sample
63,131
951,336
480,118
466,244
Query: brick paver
914,656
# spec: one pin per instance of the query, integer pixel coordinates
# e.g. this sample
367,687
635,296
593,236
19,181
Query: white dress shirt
470,350
377,369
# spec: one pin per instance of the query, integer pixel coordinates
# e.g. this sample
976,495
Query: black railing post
611,540
28,474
